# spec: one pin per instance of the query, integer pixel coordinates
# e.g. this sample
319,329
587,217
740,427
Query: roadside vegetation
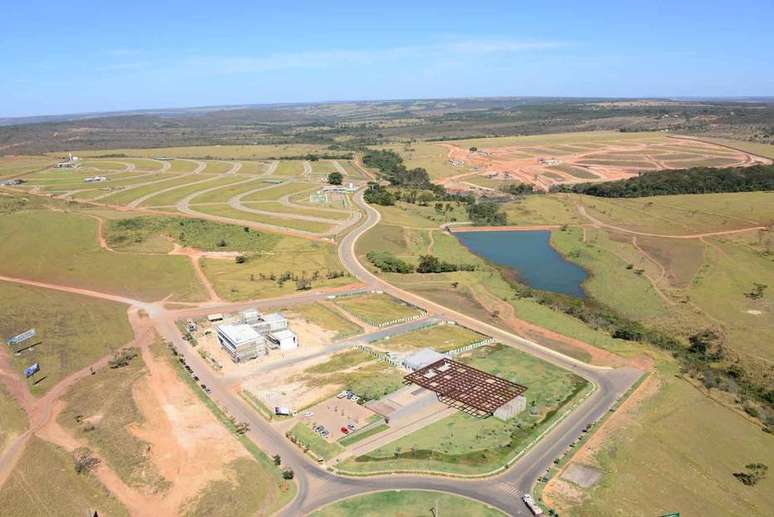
376,309
406,502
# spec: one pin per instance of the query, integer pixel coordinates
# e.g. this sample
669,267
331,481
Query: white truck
532,505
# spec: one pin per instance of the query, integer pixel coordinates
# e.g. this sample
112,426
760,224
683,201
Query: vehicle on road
532,505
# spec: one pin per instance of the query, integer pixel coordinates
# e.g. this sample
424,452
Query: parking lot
335,413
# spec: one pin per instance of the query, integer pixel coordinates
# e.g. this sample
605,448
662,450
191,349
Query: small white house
422,358
283,339
250,316
275,321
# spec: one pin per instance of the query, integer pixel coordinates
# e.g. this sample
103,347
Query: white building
94,179
422,358
242,342
283,339
250,316
70,163
511,408
275,321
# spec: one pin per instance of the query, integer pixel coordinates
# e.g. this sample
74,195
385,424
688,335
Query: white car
308,413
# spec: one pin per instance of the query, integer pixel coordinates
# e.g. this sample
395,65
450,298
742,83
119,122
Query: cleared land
404,503
328,318
546,160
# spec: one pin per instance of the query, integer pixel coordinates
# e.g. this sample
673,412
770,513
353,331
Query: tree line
696,180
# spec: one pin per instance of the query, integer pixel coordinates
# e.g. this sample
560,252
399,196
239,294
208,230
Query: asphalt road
318,487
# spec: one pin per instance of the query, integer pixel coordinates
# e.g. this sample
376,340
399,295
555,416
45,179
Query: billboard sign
32,370
24,336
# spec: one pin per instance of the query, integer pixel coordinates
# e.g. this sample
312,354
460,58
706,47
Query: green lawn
327,318
305,437
276,192
405,503
73,331
467,445
277,207
441,338
376,309
44,483
61,248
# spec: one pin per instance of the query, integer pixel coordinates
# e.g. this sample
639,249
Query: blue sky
70,57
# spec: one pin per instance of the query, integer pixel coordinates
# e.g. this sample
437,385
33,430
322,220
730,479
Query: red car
344,430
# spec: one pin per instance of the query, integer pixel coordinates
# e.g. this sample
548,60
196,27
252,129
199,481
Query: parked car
341,395
308,413
351,427
344,430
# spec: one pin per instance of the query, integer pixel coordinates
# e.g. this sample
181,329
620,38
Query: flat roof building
422,358
283,339
275,321
242,342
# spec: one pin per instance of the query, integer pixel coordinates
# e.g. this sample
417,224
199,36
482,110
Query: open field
274,193
405,503
62,493
72,331
73,257
214,152
12,166
291,258
440,338
376,309
327,318
224,210
13,421
651,448
465,444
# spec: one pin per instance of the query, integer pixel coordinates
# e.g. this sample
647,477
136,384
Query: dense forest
698,180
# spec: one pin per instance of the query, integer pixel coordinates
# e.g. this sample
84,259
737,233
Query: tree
473,149
486,213
83,461
757,291
277,459
287,474
303,284
755,472
335,178
242,427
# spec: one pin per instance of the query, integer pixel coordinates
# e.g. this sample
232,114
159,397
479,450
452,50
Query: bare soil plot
555,160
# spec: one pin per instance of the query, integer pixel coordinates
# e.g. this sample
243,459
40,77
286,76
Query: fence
397,321
381,356
471,346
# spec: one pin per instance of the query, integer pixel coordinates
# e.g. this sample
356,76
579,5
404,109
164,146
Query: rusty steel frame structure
468,389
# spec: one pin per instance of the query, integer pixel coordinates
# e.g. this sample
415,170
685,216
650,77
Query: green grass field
229,152
316,443
376,309
464,444
279,208
404,503
290,168
73,257
143,233
131,193
260,276
224,210
661,454
441,338
327,318
73,331
11,166
276,192
44,482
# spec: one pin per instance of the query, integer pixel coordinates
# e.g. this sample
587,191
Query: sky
75,57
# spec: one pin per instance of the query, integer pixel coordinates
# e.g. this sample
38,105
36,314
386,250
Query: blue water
529,253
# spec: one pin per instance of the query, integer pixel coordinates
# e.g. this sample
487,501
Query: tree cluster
697,180
486,213
388,263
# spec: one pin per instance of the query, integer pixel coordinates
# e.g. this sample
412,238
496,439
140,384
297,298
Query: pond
530,254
